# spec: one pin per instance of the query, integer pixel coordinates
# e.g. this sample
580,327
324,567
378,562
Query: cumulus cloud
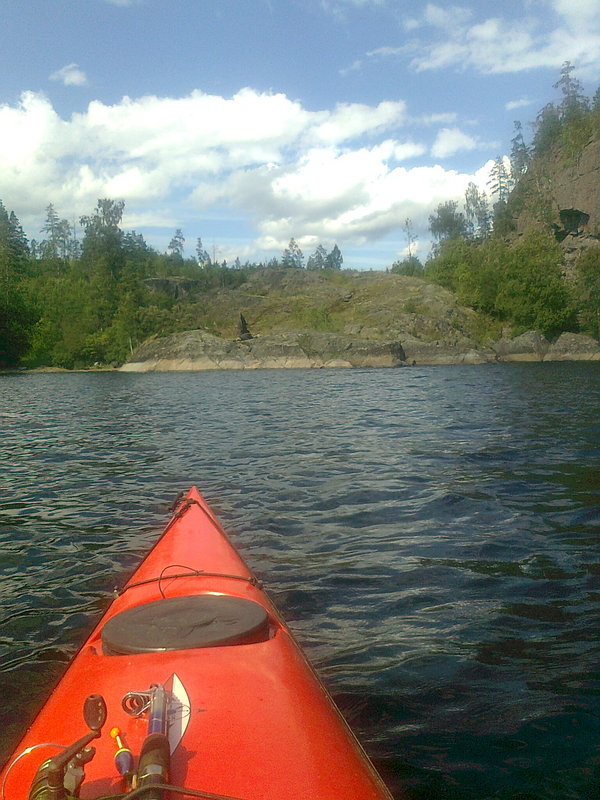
350,120
450,141
335,174
70,75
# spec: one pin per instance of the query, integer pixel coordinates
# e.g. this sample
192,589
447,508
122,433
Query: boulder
529,346
443,351
573,347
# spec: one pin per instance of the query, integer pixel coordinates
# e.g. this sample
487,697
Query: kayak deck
255,722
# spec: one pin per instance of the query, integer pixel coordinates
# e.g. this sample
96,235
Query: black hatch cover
183,623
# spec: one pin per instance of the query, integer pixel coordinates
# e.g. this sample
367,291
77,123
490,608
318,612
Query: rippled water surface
432,536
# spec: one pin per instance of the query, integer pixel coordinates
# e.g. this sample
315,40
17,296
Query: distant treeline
71,303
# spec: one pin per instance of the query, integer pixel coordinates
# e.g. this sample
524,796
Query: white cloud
333,174
446,18
547,34
512,104
350,120
354,67
70,75
450,141
411,24
373,209
408,150
438,119
580,16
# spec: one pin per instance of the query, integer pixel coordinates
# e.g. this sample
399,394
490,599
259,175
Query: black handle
153,766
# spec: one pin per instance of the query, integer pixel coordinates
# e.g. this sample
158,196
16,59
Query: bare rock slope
303,319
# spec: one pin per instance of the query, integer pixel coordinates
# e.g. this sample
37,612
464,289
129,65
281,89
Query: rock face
530,346
573,347
575,193
305,319
200,350
566,188
450,351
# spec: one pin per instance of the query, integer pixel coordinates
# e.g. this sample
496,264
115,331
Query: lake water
432,536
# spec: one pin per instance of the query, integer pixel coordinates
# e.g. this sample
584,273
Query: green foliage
292,257
568,124
477,277
16,313
316,318
547,129
574,104
177,244
575,135
520,154
532,293
201,254
413,306
334,259
477,213
588,268
103,240
408,266
500,181
503,219
447,222
318,260
521,285
16,322
449,258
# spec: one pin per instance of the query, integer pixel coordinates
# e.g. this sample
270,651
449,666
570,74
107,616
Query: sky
249,122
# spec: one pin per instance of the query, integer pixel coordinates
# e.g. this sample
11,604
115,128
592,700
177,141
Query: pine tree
500,182
176,244
574,103
292,257
104,258
477,212
335,258
547,128
519,154
16,317
318,260
407,227
59,239
103,238
202,255
447,222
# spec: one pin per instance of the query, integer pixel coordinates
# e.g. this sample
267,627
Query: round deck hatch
183,623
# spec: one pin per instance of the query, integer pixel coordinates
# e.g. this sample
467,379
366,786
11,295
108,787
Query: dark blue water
432,535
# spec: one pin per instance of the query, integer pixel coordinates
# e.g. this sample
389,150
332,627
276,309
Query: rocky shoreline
199,350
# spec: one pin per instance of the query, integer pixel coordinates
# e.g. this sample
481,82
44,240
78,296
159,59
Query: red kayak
191,685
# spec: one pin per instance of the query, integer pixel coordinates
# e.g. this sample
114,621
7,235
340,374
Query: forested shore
89,295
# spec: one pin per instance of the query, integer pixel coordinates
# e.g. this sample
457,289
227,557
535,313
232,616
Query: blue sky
247,122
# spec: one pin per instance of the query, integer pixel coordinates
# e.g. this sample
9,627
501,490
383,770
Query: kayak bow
204,683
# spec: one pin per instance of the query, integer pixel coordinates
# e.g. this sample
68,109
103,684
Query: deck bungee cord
191,573
167,787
